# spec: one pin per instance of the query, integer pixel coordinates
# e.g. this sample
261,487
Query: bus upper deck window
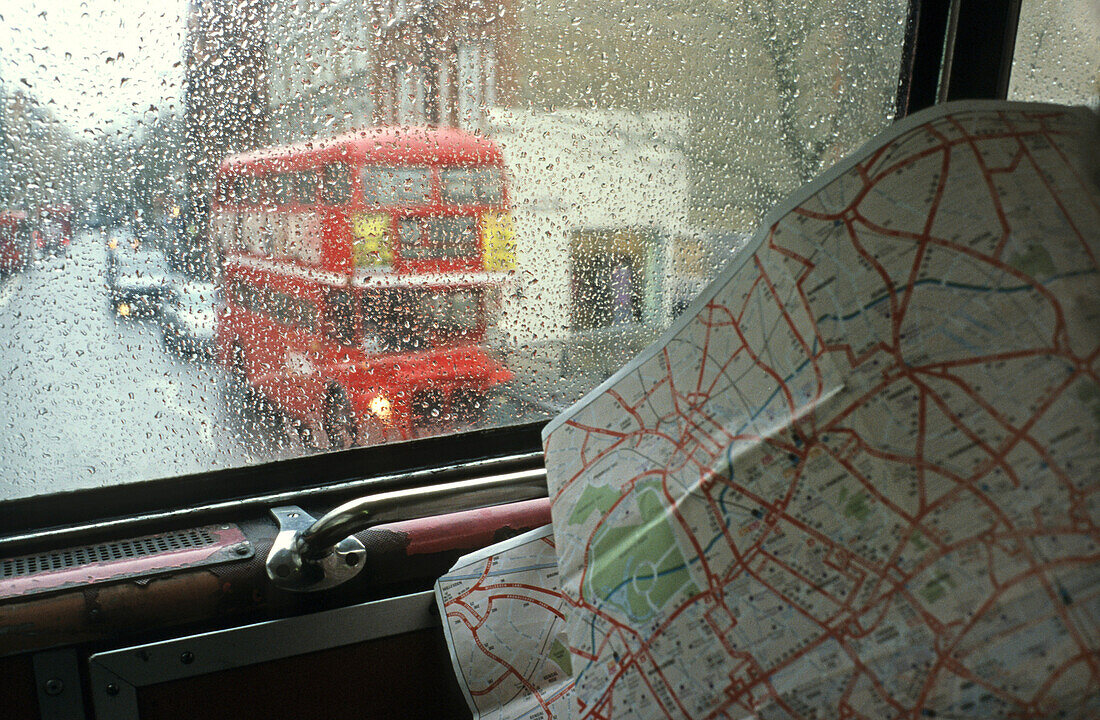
336,185
482,186
305,187
397,185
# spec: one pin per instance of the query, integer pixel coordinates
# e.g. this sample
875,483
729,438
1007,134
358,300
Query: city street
93,399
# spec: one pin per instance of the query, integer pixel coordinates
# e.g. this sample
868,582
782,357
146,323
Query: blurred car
137,275
118,239
187,318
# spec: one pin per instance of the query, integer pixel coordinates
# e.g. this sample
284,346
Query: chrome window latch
289,568
310,554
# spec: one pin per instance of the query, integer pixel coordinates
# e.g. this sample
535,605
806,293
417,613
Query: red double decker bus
360,277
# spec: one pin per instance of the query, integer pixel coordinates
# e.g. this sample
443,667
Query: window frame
942,59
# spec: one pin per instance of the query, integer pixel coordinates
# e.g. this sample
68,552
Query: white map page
504,619
858,477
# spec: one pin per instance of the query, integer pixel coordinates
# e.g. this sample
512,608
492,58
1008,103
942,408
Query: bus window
405,319
452,237
391,324
473,186
1057,53
397,185
291,310
304,314
336,185
410,233
257,189
304,186
438,238
454,314
284,189
340,315
637,134
295,188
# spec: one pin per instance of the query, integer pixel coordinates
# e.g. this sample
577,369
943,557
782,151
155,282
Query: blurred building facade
36,166
225,86
335,66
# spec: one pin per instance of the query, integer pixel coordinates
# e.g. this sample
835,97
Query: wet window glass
340,308
284,189
397,185
303,187
481,186
438,238
257,189
1057,53
545,185
336,184
398,320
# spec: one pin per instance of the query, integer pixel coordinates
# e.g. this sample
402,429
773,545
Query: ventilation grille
106,552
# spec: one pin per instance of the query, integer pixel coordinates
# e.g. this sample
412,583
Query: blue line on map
971,347
957,286
766,403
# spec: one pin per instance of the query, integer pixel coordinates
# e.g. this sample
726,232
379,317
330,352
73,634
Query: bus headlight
498,240
381,408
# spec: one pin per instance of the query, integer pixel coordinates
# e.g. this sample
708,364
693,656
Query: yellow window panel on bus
371,244
498,241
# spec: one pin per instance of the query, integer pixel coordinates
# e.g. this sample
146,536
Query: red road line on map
941,185
627,407
1054,677
887,281
792,571
1060,320
986,359
1016,433
827,633
1055,196
980,137
767,369
987,176
487,566
870,487
527,598
749,295
980,613
794,330
961,484
675,510
718,376
712,503
706,347
524,586
512,670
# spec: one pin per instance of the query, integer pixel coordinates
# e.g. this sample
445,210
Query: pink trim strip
127,567
471,528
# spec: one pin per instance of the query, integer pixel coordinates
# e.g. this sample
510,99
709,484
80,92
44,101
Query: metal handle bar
313,554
